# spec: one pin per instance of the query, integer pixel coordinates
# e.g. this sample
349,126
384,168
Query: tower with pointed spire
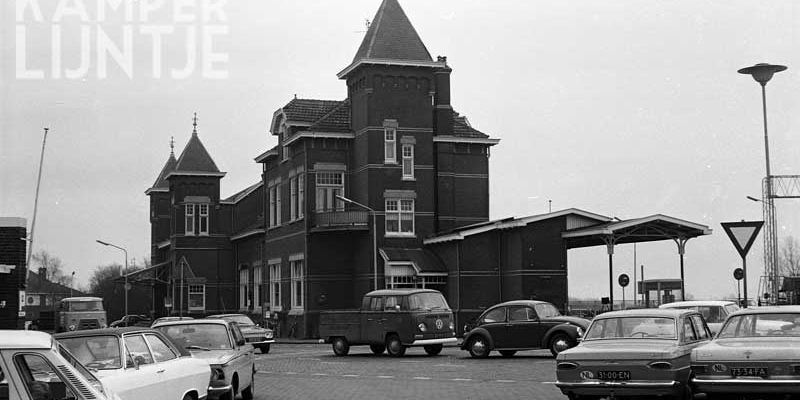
190,231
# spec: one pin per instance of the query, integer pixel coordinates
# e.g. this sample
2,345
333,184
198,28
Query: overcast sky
623,108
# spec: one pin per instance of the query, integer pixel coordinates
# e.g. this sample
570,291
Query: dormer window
283,136
189,219
203,211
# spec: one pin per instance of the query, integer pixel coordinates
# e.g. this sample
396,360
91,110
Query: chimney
443,111
43,273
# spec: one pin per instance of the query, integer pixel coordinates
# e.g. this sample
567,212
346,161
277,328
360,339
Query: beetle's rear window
632,328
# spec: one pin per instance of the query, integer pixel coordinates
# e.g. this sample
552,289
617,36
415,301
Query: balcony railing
356,219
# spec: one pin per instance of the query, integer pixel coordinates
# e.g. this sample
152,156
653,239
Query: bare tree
789,256
54,267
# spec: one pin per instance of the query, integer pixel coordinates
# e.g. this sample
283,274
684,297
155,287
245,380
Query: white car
755,354
139,363
31,368
222,344
714,311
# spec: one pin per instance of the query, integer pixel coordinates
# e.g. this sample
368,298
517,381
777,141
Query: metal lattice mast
771,268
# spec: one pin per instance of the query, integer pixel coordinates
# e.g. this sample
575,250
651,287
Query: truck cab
392,320
77,313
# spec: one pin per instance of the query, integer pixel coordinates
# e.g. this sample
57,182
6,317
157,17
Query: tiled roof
243,193
38,284
308,110
195,158
462,128
161,181
336,120
391,36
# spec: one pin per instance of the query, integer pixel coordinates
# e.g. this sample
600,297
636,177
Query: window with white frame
275,204
408,161
400,216
297,196
189,212
257,286
197,297
298,283
329,185
203,219
275,286
390,145
243,288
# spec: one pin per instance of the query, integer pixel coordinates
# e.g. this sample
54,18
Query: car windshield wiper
192,347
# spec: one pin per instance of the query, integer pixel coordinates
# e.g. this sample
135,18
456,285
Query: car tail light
660,365
566,365
217,373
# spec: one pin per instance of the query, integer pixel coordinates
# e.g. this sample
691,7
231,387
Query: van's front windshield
427,301
85,305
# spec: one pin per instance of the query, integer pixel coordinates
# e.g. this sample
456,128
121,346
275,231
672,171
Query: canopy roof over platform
645,229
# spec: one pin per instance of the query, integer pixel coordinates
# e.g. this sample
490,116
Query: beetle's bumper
218,388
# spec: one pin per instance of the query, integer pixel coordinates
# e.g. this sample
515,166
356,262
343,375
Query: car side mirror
241,342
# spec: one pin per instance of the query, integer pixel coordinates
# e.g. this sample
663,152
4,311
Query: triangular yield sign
742,234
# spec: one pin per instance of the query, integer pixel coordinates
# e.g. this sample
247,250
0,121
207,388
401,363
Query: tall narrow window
197,297
298,283
275,204
272,206
243,288
189,219
301,200
390,145
329,185
275,286
293,198
408,161
203,211
257,285
278,213
400,216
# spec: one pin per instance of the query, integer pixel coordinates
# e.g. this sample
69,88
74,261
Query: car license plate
614,375
749,372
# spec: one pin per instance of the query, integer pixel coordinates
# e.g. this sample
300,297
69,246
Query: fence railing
340,219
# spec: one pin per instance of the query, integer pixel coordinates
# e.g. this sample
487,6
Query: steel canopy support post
610,248
681,242
744,278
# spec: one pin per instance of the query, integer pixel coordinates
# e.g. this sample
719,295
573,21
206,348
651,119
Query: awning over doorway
424,262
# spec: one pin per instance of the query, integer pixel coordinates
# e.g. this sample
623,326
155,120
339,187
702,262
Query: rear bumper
626,388
731,385
426,342
214,392
261,342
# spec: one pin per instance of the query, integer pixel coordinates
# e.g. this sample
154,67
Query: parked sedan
131,320
31,368
634,353
756,352
139,363
714,311
259,337
222,344
522,325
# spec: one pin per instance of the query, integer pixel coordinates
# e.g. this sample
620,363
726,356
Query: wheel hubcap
478,347
560,345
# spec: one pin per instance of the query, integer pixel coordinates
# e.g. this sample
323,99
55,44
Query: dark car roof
520,303
119,332
226,316
400,292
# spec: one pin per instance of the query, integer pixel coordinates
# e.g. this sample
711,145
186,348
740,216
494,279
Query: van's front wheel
394,346
340,346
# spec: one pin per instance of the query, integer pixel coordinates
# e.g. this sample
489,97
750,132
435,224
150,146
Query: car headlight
452,326
217,373
422,327
580,331
72,327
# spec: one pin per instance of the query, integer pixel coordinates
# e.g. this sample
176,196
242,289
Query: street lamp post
126,269
762,73
374,238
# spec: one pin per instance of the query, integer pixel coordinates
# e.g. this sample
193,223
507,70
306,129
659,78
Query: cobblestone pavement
311,371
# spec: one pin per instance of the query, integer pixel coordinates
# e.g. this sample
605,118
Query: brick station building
386,188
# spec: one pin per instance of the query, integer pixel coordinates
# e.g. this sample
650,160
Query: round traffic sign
624,280
738,274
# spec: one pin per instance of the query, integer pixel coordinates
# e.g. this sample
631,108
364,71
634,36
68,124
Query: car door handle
160,371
